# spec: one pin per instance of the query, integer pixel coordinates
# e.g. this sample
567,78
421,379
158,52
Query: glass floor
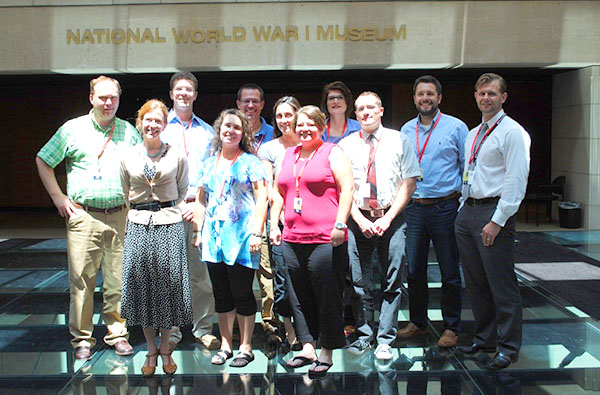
560,353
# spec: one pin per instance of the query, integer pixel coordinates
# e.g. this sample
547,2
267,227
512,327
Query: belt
375,213
109,210
480,202
428,201
152,206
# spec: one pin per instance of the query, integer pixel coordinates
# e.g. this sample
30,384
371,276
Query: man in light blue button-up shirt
438,140
187,132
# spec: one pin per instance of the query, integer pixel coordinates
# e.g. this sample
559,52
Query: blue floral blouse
229,218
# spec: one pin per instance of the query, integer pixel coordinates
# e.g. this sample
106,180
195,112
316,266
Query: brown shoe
448,339
410,330
123,348
83,352
209,341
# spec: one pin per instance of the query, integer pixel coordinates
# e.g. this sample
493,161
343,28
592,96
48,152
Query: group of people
181,216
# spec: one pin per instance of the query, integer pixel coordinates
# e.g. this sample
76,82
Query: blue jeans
433,222
390,256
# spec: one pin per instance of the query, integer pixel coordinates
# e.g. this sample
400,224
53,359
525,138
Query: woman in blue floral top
231,210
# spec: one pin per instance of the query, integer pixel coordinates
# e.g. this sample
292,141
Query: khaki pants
95,241
203,300
264,275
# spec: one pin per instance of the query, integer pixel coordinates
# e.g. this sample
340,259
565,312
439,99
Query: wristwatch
340,226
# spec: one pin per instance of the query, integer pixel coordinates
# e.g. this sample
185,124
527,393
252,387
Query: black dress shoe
500,361
474,348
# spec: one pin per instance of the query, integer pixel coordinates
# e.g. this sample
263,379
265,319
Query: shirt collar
173,118
263,129
426,129
494,118
97,126
377,134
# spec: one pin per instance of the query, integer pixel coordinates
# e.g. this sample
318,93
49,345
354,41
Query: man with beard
190,134
438,140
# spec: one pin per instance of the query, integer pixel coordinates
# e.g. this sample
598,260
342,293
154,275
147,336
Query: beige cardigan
169,183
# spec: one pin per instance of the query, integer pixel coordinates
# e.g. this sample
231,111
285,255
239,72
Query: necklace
158,153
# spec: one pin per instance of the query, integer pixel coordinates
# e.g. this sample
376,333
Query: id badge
298,205
420,176
98,173
468,178
221,212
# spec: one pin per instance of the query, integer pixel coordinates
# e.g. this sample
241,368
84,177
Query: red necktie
371,174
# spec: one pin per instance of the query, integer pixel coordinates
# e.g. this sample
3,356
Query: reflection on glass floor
560,353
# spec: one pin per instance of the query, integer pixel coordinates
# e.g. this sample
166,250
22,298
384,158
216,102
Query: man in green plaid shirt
92,146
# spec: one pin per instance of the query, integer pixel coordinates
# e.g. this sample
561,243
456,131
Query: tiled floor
560,354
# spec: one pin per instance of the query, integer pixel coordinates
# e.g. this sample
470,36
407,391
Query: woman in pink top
314,187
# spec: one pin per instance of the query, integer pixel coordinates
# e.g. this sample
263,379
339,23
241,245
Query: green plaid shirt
92,181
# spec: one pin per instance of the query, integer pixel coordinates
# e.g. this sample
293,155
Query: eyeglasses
253,101
334,98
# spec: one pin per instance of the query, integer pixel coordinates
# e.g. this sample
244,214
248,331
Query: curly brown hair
247,142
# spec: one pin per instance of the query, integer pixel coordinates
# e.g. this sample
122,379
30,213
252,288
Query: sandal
148,371
303,361
221,357
312,373
241,359
169,368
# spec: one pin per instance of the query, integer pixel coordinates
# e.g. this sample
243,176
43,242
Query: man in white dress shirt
385,168
494,183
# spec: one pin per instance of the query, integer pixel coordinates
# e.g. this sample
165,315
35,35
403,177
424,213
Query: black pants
317,274
232,288
490,279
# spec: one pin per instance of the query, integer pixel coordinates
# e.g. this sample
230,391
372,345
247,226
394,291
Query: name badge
468,177
420,176
98,174
298,205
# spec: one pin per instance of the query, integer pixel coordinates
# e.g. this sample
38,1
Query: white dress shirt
395,161
501,166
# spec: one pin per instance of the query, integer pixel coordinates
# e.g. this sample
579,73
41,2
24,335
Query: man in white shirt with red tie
385,169
494,183
190,134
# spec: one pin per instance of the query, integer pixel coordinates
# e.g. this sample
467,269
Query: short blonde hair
101,78
314,113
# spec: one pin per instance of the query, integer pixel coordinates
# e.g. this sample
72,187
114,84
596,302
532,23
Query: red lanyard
107,140
372,160
297,178
421,152
183,130
474,154
239,151
343,131
260,142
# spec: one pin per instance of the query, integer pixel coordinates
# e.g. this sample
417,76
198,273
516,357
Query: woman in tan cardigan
156,292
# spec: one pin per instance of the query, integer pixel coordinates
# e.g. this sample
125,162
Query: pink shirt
318,191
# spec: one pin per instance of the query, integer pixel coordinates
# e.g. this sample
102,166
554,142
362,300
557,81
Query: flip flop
241,359
221,357
319,373
303,362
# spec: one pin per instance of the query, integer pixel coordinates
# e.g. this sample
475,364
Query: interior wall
576,138
39,104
